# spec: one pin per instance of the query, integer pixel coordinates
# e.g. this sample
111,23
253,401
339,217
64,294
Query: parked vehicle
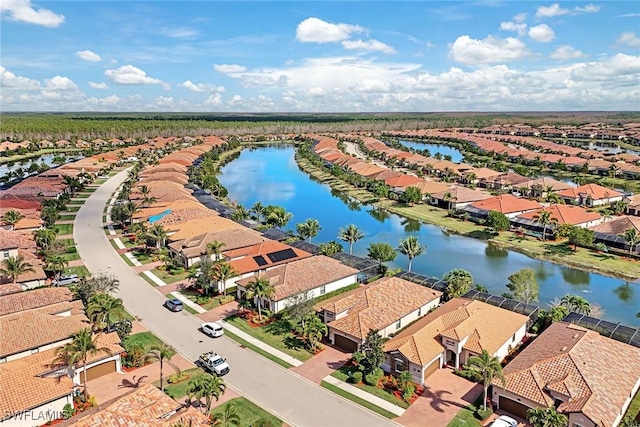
66,280
214,363
504,421
174,305
212,329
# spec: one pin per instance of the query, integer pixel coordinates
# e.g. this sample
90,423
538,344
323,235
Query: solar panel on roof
259,259
282,255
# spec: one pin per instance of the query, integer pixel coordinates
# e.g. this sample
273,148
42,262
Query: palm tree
576,303
244,304
260,288
228,418
278,216
544,218
224,272
12,217
14,266
546,417
411,247
104,310
161,353
313,330
632,238
258,210
215,248
44,238
350,234
56,264
157,234
487,367
206,386
83,344
309,229
448,197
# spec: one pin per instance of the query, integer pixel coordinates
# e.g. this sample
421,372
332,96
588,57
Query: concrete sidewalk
388,406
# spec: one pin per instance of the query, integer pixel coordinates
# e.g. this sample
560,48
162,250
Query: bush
408,392
68,411
468,374
176,378
227,299
123,329
71,250
135,354
374,377
356,377
484,414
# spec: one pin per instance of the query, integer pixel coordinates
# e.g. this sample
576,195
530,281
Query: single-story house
572,368
314,275
457,197
28,279
35,298
451,334
504,180
196,227
507,204
591,195
386,305
633,204
562,214
540,187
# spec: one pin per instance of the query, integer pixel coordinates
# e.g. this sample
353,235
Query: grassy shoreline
552,251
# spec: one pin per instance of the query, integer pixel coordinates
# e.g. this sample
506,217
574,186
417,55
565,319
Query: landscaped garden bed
248,413
386,389
207,302
176,385
168,277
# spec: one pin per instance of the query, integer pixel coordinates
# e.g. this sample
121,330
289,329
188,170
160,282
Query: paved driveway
445,394
322,364
287,395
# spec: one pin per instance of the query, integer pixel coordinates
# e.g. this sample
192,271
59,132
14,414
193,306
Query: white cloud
370,45
130,75
101,85
490,50
316,30
551,11
87,55
229,68
616,70
566,52
520,17
23,11
542,33
213,100
179,32
201,87
10,80
235,100
521,28
60,83
629,15
629,39
590,8
165,102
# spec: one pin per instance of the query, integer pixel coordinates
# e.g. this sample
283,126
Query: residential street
295,400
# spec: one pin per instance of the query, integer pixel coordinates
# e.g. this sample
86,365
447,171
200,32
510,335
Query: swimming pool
157,217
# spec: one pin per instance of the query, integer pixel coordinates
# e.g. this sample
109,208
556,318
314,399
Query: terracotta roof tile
565,214
618,225
243,260
232,239
506,203
597,192
460,194
33,299
195,227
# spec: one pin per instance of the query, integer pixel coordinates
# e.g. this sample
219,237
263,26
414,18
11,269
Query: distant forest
70,126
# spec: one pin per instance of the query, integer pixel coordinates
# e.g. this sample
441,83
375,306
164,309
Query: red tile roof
506,203
31,299
243,259
597,192
565,214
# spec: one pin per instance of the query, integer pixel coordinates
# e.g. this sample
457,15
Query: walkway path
293,399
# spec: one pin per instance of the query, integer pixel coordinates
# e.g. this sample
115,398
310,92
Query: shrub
135,354
177,377
408,392
356,377
123,329
468,374
227,299
71,250
68,411
483,414
373,378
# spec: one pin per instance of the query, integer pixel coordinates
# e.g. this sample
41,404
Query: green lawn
67,216
71,256
125,259
81,271
194,296
343,374
465,418
81,195
169,278
248,412
146,339
148,280
274,336
64,228
359,401
143,256
257,349
634,407
72,208
178,390
127,242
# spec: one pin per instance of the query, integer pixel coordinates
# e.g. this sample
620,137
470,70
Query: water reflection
494,251
410,225
575,277
624,291
380,214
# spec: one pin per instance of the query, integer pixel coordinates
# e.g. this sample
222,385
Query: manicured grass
125,259
148,280
66,242
634,407
343,374
167,277
99,181
356,399
127,242
81,271
178,390
64,228
465,418
146,339
257,349
81,195
284,341
72,208
67,216
71,256
143,256
248,412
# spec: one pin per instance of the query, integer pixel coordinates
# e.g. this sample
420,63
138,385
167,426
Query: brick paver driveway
322,364
445,394
220,312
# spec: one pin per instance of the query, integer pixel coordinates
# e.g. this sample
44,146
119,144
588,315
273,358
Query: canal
445,150
270,175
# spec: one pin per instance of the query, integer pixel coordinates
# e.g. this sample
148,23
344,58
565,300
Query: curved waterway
270,175
456,155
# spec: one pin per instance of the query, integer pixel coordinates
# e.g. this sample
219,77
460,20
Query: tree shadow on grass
562,249
481,234
294,343
279,327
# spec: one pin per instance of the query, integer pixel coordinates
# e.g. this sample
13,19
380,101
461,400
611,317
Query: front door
451,358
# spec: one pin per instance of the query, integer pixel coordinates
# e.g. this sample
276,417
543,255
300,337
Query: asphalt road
292,398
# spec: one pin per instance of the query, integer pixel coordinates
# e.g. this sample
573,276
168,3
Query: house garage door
431,368
345,343
513,407
100,370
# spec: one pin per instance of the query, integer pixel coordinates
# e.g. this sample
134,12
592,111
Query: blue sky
331,56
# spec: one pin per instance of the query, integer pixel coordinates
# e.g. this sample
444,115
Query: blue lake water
270,175
456,155
25,163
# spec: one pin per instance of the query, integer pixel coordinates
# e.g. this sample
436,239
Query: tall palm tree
14,266
546,417
12,217
632,237
411,247
313,330
206,386
260,288
157,234
544,218
309,229
350,234
576,303
278,216
44,238
83,344
228,418
56,264
487,367
215,248
258,211
104,310
162,353
224,272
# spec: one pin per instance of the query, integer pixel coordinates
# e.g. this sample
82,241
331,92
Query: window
5,254
420,312
399,365
513,338
322,290
399,324
35,350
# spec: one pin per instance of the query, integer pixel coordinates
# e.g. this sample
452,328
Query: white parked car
214,363
504,421
212,329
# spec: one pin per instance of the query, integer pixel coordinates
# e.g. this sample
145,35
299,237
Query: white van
66,280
